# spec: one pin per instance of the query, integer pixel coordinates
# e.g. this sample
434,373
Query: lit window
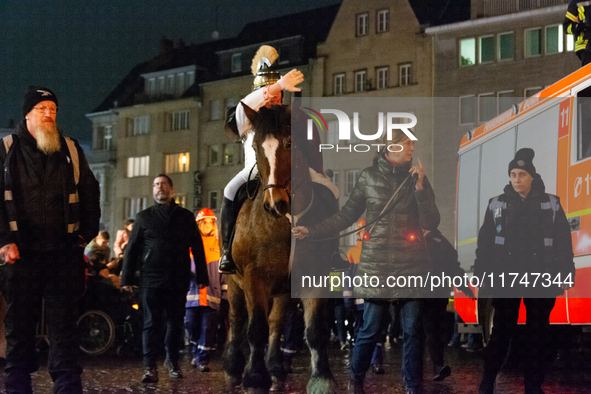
335,178
506,100
138,166
360,81
332,136
352,176
141,125
487,49
467,52
180,121
487,108
214,155
383,20
176,162
339,84
554,39
236,62
382,77
181,200
405,74
229,154
467,109
506,46
362,24
533,42
133,206
570,42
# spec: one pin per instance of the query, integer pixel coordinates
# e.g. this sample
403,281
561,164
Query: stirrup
227,266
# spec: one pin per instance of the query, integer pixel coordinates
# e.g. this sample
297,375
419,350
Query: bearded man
49,210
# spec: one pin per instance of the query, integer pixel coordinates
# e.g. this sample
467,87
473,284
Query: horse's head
272,144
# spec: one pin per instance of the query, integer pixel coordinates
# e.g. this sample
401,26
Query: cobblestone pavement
112,374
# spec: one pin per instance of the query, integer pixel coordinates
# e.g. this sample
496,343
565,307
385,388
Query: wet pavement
110,373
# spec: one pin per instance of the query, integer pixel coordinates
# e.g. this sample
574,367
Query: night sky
83,49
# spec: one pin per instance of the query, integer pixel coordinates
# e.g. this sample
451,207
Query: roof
440,12
312,26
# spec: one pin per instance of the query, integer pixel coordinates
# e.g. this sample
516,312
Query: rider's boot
227,265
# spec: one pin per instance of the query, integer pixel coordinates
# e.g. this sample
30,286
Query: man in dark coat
161,241
525,233
49,210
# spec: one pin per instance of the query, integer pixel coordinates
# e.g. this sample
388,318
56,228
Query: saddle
247,190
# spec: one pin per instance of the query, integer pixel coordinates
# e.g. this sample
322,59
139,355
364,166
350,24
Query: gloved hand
290,80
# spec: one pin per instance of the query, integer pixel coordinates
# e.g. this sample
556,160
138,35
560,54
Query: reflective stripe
213,299
288,351
13,226
359,301
204,348
499,240
572,18
192,297
7,195
347,293
495,203
73,227
74,198
548,241
225,287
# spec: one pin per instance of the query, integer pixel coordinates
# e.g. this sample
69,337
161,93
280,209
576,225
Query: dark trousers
585,56
163,309
537,346
201,323
434,325
57,278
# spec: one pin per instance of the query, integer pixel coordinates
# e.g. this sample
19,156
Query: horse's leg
317,337
233,359
274,355
256,376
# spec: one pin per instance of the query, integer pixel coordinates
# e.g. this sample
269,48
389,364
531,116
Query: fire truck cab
556,123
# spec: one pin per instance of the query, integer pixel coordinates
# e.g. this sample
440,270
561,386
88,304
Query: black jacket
444,259
159,246
389,252
520,236
42,188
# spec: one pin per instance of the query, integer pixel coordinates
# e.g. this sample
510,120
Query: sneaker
377,369
343,345
412,391
150,375
441,372
194,363
174,370
202,368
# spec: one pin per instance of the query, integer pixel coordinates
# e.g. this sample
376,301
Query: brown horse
261,250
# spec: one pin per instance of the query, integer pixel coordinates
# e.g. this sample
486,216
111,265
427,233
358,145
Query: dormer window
236,62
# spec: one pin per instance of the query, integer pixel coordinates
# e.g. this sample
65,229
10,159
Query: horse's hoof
318,385
277,385
231,383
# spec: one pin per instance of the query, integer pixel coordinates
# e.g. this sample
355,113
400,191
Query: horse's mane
270,120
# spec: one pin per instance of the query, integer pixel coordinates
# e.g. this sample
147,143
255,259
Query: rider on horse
267,91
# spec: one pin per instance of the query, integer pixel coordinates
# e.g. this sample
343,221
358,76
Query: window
382,77
180,121
141,125
138,166
533,42
506,45
487,107
215,110
102,138
214,155
339,84
553,39
335,178
134,205
229,154
230,102
161,85
583,121
405,74
362,24
213,200
487,49
236,62
467,52
176,162
332,136
570,42
360,81
151,87
531,91
180,84
181,200
170,84
505,100
190,78
467,109
383,20
352,176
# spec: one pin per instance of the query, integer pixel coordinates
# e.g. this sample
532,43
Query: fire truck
556,123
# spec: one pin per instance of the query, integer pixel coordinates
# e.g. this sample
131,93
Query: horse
261,251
